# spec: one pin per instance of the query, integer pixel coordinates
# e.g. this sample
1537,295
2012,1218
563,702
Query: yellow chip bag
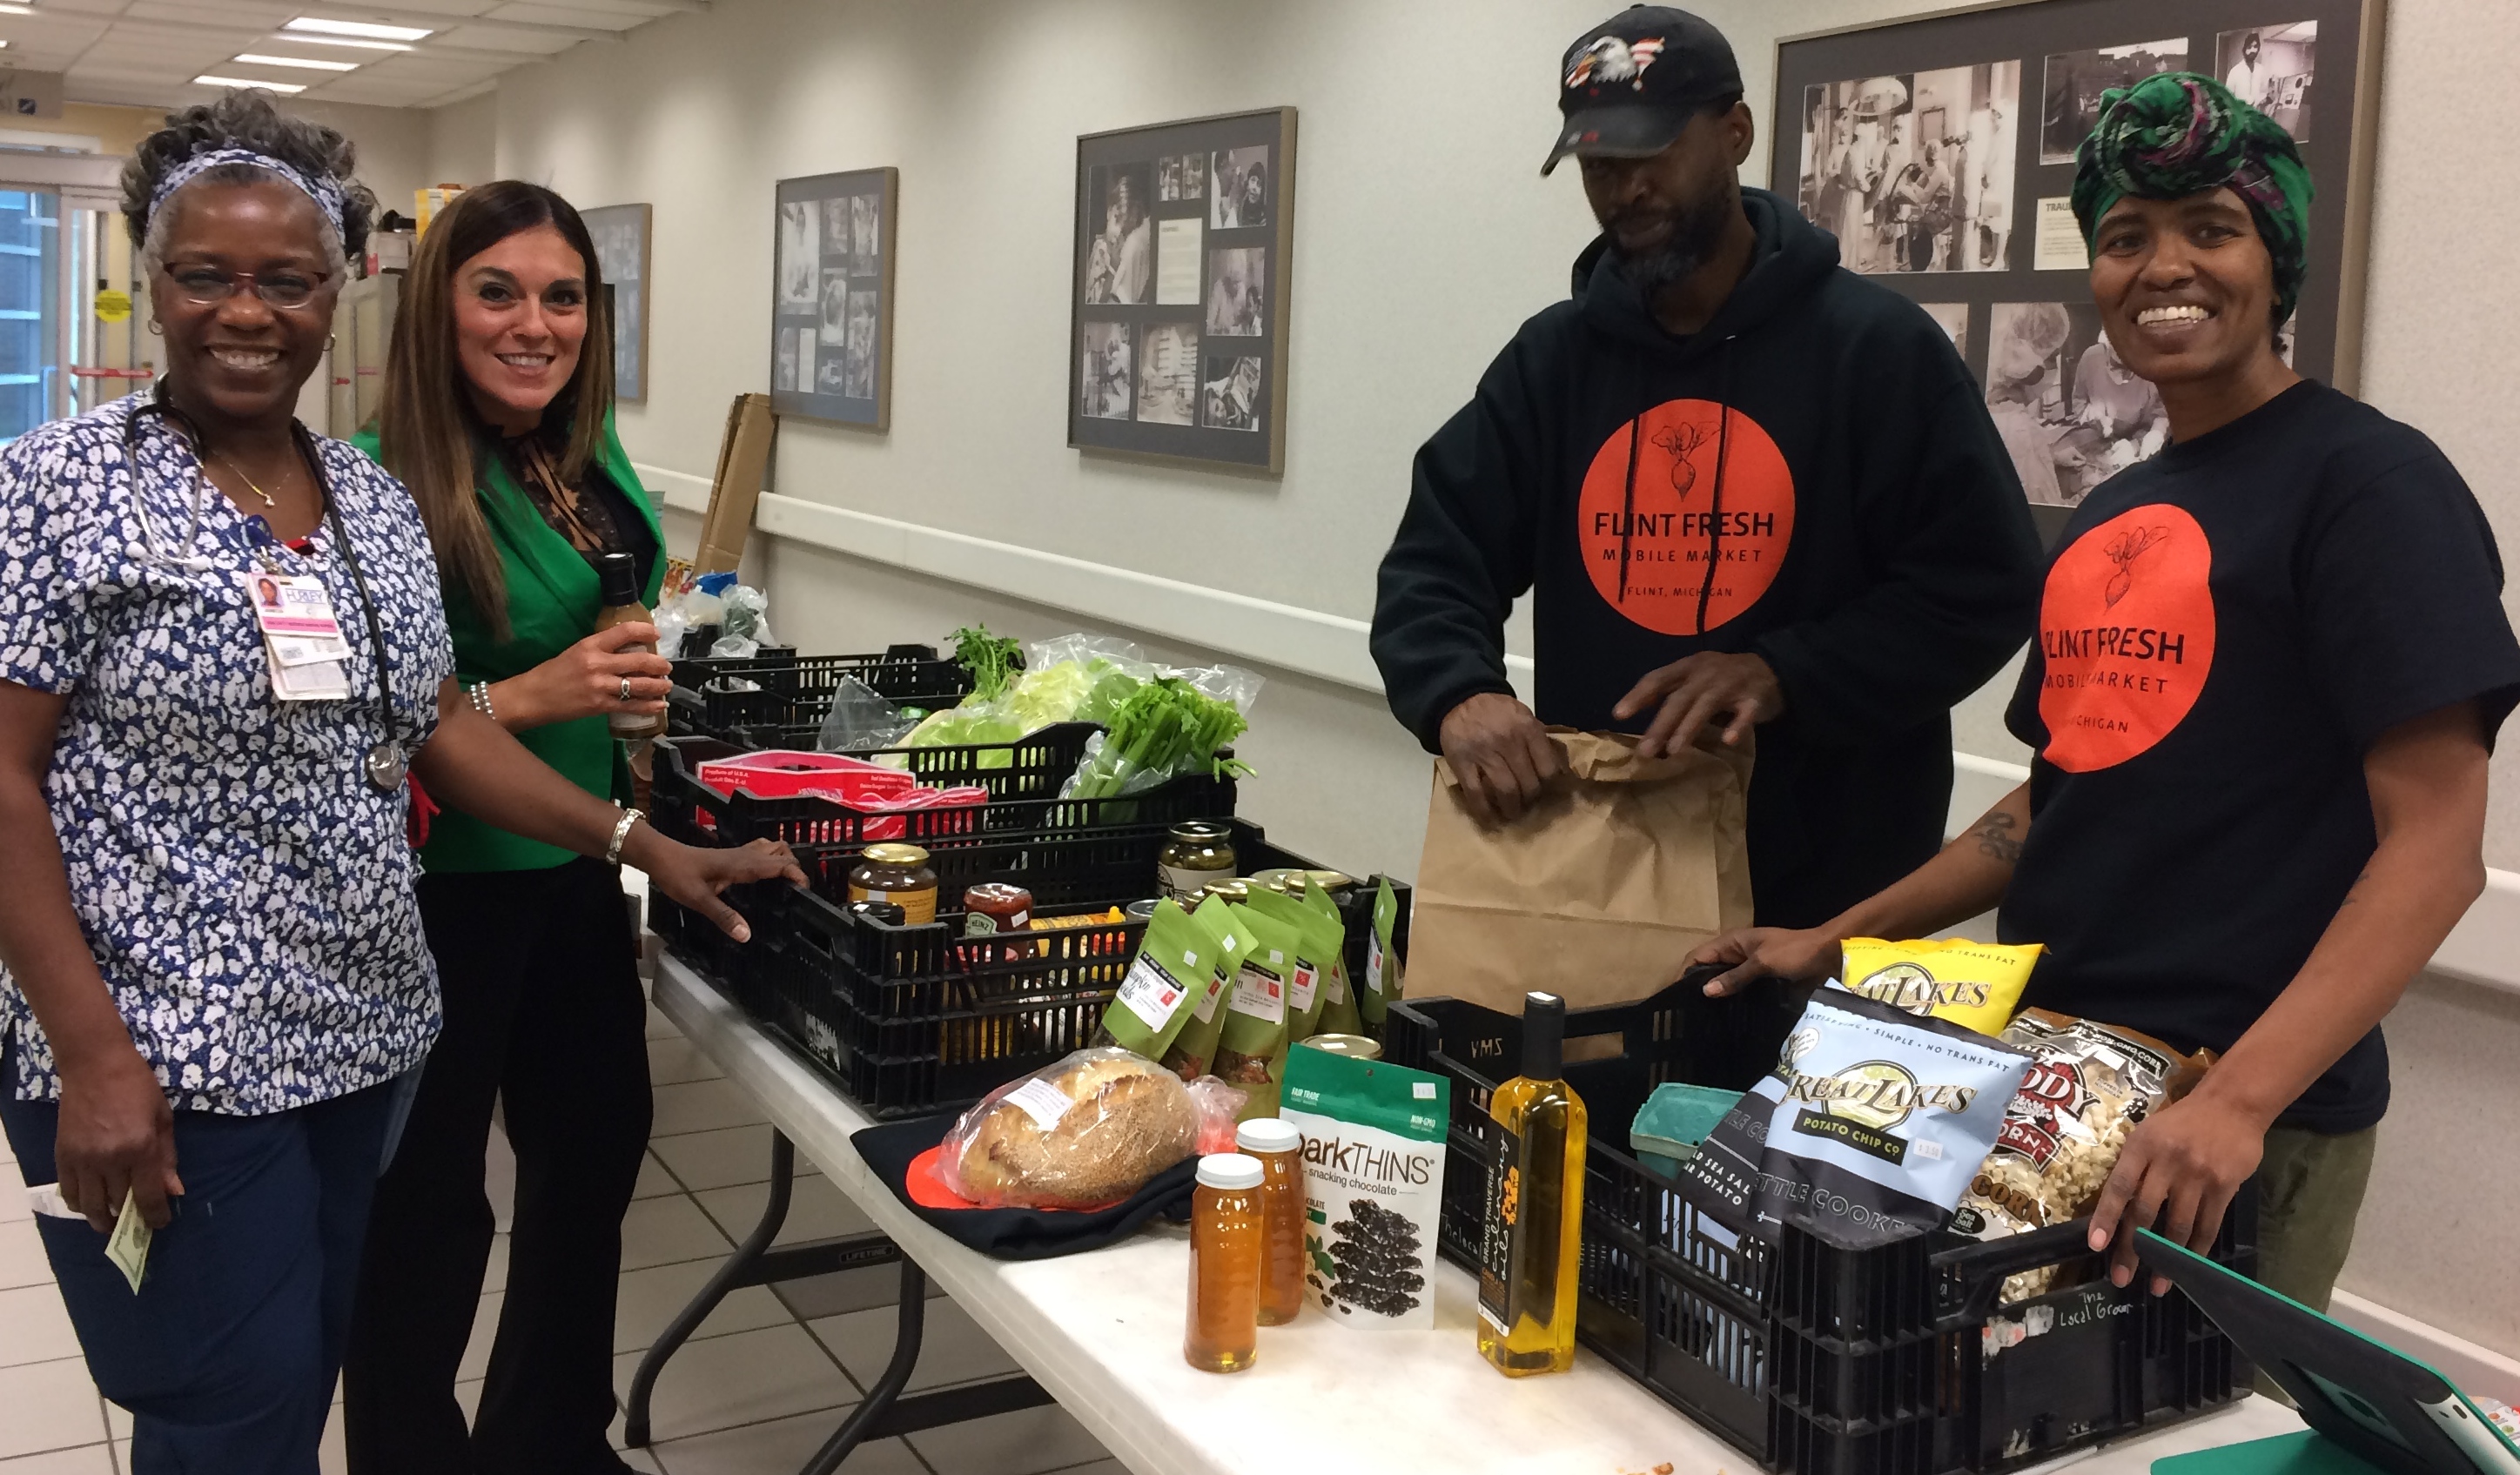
1972,984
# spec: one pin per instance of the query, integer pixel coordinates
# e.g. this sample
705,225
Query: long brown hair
430,435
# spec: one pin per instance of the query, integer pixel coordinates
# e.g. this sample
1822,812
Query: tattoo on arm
1995,838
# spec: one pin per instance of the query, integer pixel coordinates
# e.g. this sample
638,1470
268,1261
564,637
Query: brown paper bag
1598,893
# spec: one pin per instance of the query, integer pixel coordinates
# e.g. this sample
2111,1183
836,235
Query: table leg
910,1328
738,1271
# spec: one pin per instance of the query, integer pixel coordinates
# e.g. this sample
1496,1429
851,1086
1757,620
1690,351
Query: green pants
2310,1191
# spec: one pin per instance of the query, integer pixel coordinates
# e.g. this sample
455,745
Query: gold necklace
267,499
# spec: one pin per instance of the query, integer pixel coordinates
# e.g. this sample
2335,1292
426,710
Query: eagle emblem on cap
1612,60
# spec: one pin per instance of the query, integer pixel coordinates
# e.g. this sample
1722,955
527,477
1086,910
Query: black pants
543,1010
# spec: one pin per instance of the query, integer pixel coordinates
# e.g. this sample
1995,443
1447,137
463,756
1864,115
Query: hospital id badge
316,681
295,614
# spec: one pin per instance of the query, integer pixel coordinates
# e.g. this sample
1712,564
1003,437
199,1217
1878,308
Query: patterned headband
327,195
2178,134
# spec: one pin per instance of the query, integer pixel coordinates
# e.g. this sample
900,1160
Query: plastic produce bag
1172,724
859,720
747,616
688,608
1084,1133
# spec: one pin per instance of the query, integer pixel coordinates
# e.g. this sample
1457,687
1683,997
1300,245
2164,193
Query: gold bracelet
620,832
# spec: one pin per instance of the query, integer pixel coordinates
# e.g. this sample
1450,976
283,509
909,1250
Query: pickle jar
1280,1149
1201,851
1226,1231
899,875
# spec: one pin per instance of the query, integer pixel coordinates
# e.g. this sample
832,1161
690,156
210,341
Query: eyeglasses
208,286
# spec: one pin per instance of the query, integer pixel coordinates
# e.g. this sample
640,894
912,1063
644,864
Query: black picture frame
624,236
830,279
2066,52
1168,352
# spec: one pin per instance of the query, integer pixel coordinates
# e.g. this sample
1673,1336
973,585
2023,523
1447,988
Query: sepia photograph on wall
622,234
1940,153
831,355
1184,237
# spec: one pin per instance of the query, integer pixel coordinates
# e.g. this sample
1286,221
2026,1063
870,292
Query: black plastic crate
792,692
912,1020
1896,1361
805,820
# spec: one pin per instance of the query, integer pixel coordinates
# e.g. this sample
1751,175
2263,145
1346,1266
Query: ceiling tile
148,50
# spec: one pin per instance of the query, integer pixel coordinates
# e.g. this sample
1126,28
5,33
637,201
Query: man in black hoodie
1747,486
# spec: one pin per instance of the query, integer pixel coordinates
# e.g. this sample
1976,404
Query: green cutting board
2308,1452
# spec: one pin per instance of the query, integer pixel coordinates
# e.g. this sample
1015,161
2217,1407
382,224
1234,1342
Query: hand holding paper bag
1597,892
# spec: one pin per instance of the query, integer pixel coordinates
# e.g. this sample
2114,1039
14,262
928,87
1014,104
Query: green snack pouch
1194,1047
1250,1050
1374,1186
1305,993
1340,1015
1382,960
1175,963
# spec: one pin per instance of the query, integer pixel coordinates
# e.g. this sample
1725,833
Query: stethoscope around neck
382,766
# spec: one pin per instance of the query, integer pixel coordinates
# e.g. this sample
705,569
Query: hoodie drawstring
1628,514
1715,513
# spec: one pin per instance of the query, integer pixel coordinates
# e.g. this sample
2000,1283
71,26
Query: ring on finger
625,689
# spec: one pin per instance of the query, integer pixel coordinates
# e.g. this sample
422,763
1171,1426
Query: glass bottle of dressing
1280,1149
1224,1255
616,574
1532,1236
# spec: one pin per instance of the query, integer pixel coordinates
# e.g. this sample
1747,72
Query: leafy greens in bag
1194,1048
1174,965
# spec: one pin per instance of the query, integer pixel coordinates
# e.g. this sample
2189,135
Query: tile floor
755,1391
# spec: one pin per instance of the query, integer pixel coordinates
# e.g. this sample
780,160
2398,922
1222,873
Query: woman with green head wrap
2271,663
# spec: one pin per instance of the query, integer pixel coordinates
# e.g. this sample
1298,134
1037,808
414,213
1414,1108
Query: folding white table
1101,1332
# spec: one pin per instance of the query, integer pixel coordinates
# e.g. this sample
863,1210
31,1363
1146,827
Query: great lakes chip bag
1971,983
1867,1131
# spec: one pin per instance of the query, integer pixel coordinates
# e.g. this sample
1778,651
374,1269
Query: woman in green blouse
498,416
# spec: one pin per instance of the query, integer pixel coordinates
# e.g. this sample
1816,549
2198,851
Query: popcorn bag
2088,1088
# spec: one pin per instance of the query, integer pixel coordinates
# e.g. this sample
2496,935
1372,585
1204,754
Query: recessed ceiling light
17,10
257,60
207,80
295,38
358,29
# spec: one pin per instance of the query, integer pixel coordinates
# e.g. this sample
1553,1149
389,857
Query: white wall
1424,236
463,141
393,145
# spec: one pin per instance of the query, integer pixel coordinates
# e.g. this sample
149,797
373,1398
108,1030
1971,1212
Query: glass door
32,387
110,351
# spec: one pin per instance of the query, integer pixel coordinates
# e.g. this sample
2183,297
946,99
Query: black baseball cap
1629,85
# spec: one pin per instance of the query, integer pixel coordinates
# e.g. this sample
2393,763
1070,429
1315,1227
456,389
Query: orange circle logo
1658,547
2127,632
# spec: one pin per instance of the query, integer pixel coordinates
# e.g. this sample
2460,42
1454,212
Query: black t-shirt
2225,629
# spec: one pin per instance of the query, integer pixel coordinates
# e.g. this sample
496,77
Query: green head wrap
2178,134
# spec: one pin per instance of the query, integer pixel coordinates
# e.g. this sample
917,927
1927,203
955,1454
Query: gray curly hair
244,119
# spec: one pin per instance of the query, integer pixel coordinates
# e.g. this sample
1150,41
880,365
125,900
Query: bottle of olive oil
1533,1235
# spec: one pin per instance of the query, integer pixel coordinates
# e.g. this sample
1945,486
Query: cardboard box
743,460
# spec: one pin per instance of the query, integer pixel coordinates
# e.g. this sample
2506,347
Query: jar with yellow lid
899,875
